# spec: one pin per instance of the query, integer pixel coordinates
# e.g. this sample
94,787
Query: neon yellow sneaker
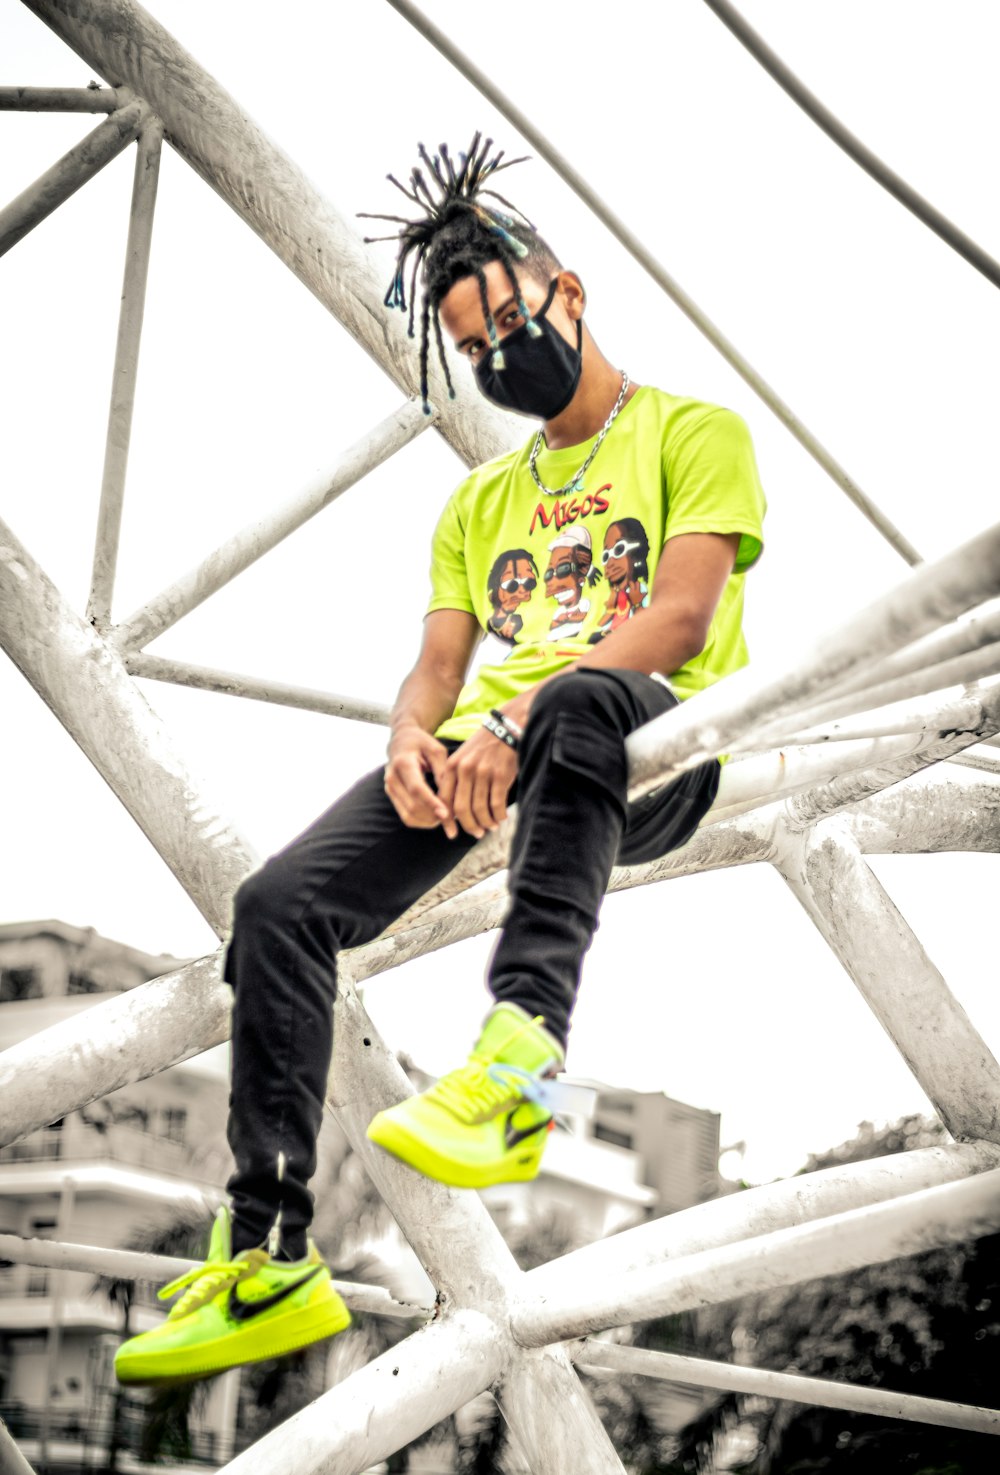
488,1121
234,1311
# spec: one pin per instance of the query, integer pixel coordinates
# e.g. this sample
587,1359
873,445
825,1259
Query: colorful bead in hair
456,234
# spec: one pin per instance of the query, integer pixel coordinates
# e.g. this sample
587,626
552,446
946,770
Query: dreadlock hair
456,236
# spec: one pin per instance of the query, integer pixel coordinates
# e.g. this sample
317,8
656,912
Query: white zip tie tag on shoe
569,1096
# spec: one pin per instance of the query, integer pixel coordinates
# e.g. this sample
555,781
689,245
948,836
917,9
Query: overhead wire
655,269
842,136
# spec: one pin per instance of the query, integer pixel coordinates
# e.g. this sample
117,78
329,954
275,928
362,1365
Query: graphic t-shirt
549,576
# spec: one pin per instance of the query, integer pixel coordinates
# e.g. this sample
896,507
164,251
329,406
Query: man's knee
578,693
267,900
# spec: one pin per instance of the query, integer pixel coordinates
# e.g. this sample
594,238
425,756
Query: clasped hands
467,789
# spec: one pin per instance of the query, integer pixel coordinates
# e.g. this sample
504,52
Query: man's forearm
426,699
648,642
652,640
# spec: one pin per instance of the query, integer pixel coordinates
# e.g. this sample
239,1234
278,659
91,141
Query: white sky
715,989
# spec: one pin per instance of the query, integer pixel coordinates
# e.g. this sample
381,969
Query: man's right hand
413,754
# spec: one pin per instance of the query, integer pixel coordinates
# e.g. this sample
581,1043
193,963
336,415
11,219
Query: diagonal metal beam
236,684
12,1461
136,1265
699,1372
209,129
86,685
92,99
927,1219
737,1217
82,162
666,745
907,994
140,236
862,155
383,1406
248,545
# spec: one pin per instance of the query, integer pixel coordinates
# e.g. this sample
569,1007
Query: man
545,726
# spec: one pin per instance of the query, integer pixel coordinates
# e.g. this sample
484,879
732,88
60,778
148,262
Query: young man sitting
604,559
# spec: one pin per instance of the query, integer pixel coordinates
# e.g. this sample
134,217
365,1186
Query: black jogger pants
359,867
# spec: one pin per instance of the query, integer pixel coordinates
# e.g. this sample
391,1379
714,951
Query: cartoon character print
570,571
625,557
511,581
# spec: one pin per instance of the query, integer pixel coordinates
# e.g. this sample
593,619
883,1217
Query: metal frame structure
834,760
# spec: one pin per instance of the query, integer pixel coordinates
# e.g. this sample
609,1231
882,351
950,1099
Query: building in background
95,1177
677,1144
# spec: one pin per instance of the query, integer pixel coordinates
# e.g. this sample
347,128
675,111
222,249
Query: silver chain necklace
573,484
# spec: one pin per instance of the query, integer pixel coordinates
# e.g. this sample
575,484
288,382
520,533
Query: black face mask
540,373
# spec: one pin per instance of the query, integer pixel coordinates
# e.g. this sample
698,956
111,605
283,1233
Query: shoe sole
519,1167
186,1364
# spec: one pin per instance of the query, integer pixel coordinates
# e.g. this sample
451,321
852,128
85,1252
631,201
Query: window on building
16,984
174,1123
82,983
127,1114
624,1104
608,1134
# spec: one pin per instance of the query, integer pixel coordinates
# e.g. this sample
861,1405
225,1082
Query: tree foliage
928,1325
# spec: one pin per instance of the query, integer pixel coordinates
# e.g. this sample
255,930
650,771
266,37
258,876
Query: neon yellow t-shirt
548,576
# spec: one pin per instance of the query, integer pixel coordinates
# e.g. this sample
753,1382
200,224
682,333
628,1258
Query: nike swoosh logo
241,1310
514,1136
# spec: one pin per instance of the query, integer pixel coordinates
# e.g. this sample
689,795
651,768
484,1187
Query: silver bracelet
509,723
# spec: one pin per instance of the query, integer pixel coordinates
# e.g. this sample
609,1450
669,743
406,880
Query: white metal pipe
929,748
135,1265
124,1039
451,1232
971,633
814,783
907,994
932,812
60,99
123,42
730,714
910,1225
235,684
976,758
554,1424
383,1406
140,236
959,714
65,177
259,537
12,1461
88,688
699,1372
975,666
739,1217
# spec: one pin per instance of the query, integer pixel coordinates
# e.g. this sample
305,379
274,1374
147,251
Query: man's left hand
476,781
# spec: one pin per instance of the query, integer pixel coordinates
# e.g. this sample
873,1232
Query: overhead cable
852,146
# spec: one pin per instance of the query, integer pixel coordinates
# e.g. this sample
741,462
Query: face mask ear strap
550,298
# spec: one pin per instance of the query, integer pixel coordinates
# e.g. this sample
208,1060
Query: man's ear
574,294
